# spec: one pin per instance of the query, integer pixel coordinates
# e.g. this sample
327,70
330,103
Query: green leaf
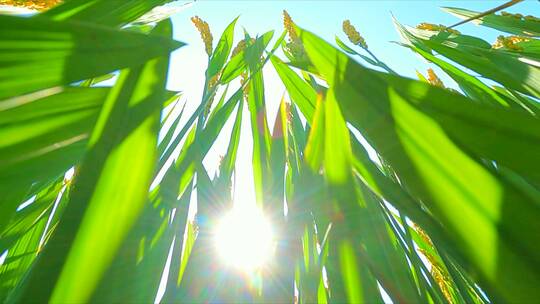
223,48
344,47
23,220
300,92
38,53
400,118
512,70
337,143
474,88
237,64
350,51
227,165
41,138
122,155
181,227
507,24
134,274
164,143
260,131
22,254
349,268
104,12
204,140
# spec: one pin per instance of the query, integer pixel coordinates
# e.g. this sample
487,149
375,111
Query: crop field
369,186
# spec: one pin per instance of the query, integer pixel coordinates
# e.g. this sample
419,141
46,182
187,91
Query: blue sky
371,18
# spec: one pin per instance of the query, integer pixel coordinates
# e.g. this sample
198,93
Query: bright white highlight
244,239
68,176
27,203
3,257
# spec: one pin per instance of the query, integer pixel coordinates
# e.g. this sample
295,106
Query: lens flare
244,239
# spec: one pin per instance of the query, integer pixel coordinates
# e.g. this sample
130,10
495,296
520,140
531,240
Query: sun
244,239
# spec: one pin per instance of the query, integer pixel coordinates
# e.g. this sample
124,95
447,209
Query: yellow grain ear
204,30
436,28
531,18
39,5
288,24
433,79
238,48
353,35
509,42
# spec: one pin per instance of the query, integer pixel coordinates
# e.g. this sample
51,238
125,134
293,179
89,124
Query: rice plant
371,187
